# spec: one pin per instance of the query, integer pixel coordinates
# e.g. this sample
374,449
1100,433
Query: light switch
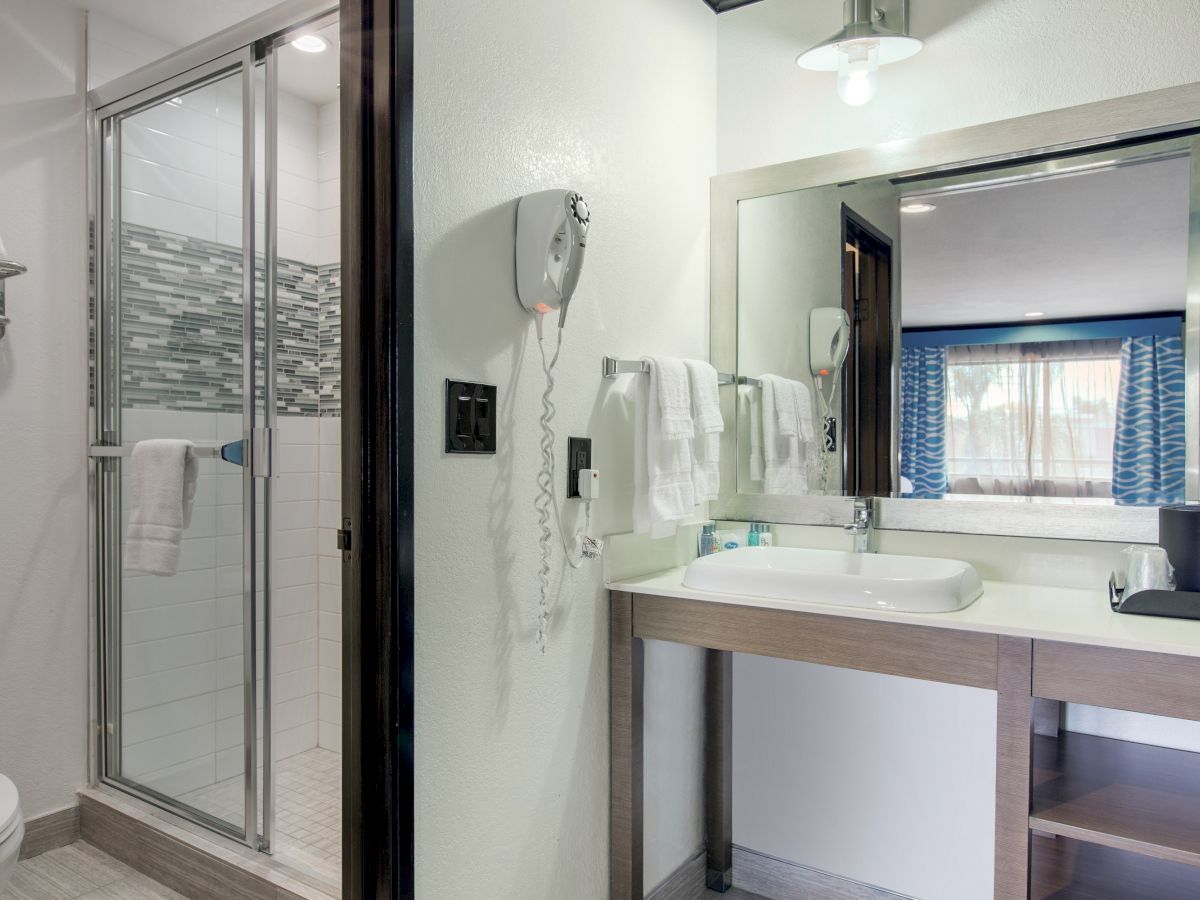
470,417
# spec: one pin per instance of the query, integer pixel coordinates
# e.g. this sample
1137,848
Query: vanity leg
1014,736
626,673
718,768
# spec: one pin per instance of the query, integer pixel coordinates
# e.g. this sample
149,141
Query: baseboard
683,883
779,879
185,858
50,831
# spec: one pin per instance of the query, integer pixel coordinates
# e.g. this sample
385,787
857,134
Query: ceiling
180,23
1106,243
312,76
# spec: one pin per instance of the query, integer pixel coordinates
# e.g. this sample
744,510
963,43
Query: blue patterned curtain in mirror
1149,447
923,421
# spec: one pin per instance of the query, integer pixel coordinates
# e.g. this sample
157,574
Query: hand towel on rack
706,414
662,466
163,481
752,399
784,466
674,397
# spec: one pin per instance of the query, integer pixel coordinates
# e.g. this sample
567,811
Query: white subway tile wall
182,170
182,663
329,603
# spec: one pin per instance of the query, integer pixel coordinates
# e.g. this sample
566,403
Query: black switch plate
470,417
579,456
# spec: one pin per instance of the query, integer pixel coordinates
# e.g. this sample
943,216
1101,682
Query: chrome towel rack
8,269
614,367
231,452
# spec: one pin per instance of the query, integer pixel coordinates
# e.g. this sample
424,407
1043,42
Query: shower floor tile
308,811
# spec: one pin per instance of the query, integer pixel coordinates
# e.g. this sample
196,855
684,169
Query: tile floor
81,872
308,811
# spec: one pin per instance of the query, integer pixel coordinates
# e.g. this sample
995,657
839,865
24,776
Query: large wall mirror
971,339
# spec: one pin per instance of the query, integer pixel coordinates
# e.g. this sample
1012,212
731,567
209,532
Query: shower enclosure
205,331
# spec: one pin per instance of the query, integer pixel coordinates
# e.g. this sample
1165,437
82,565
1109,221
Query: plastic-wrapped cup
1147,569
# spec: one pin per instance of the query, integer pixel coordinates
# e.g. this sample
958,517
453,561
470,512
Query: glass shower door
179,354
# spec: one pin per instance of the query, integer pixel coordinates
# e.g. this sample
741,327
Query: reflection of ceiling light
859,49
920,207
1034,315
310,43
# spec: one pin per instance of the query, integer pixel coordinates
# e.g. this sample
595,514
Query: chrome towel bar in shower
232,452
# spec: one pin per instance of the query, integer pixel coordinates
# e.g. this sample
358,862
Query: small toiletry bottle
764,535
708,539
753,537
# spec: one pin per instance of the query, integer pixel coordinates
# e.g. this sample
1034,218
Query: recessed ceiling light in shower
917,207
310,43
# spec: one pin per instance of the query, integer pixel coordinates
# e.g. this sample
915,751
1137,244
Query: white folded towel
752,397
163,488
787,435
674,397
663,491
706,446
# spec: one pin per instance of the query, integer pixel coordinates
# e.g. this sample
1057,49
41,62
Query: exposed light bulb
858,62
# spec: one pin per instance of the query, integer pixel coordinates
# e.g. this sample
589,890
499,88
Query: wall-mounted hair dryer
552,229
828,339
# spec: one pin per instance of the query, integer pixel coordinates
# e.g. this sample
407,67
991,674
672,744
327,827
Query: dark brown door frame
867,451
377,448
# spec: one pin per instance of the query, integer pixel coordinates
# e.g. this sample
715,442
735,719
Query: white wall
615,100
983,61
43,405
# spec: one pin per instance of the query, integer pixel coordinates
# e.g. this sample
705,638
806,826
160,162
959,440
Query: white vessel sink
873,580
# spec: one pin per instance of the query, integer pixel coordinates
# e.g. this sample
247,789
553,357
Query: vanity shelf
1131,797
1065,869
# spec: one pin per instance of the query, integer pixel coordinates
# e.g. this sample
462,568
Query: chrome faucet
862,526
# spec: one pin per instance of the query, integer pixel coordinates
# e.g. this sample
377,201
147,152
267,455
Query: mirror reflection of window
1042,324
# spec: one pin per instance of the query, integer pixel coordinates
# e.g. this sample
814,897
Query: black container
1179,535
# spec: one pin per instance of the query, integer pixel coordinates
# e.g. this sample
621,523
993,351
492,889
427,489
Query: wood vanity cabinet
1111,818
1077,816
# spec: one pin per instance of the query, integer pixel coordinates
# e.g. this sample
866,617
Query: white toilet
12,830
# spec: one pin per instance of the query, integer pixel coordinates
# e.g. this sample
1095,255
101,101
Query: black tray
1170,604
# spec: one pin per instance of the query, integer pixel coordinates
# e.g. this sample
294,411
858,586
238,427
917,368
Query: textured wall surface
615,100
43,406
983,60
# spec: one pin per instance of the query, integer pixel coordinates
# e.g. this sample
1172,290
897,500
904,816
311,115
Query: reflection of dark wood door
867,401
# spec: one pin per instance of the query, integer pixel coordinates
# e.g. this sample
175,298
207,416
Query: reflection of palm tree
971,384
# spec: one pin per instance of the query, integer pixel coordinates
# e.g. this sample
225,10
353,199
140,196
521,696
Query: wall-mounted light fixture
875,34
8,268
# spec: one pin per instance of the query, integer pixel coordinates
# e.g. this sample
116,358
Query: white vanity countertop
1072,615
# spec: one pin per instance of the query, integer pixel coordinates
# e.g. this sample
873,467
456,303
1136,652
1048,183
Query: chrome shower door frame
257,433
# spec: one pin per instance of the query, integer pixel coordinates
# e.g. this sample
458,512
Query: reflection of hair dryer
828,344
552,231
828,339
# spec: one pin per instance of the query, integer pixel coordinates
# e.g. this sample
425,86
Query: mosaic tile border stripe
181,330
